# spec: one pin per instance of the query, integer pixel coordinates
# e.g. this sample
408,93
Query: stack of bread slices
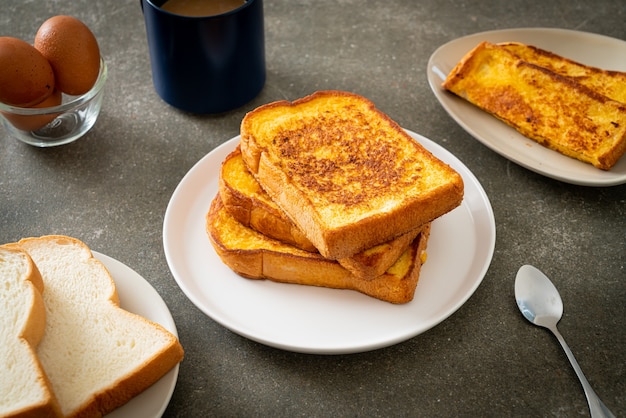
329,191
68,348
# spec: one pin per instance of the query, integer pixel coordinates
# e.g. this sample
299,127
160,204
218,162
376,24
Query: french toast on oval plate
564,109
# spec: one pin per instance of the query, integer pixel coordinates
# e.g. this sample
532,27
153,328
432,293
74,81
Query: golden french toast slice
611,84
248,203
256,256
553,110
346,174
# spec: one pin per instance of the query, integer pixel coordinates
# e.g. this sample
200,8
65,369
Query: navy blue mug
207,64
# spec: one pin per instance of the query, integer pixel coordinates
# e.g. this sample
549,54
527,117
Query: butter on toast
256,256
551,109
612,84
346,174
248,203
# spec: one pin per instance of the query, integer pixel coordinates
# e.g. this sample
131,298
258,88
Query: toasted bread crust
251,206
248,203
374,261
554,110
256,256
346,174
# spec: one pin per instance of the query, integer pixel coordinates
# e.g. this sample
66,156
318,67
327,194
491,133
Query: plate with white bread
311,243
550,100
92,336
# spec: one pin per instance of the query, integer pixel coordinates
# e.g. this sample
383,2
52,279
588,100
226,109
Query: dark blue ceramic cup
208,64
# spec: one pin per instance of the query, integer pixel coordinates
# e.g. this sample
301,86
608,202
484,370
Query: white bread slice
24,386
97,355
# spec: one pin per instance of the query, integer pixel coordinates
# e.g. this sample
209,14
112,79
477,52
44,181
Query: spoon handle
596,407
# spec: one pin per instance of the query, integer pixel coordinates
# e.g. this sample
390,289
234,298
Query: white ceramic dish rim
138,296
303,318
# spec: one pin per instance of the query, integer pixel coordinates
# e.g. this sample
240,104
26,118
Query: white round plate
138,296
586,48
320,320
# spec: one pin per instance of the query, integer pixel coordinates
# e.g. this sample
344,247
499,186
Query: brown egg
34,122
73,52
26,77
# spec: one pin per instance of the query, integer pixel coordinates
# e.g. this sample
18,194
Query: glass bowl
57,125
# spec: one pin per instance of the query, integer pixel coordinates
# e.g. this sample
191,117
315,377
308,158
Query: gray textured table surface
112,187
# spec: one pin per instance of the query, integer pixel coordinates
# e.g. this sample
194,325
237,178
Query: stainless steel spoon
541,304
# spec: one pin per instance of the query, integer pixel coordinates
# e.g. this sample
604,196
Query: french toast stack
329,191
577,110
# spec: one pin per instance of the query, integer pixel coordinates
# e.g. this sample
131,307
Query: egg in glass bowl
56,125
51,92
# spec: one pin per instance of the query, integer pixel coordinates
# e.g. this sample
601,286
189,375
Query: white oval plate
587,48
320,320
139,297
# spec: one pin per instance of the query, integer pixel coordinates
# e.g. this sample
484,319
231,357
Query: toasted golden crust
611,84
248,203
374,261
256,256
554,110
346,174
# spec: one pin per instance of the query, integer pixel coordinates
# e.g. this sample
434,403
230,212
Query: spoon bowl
537,298
540,303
